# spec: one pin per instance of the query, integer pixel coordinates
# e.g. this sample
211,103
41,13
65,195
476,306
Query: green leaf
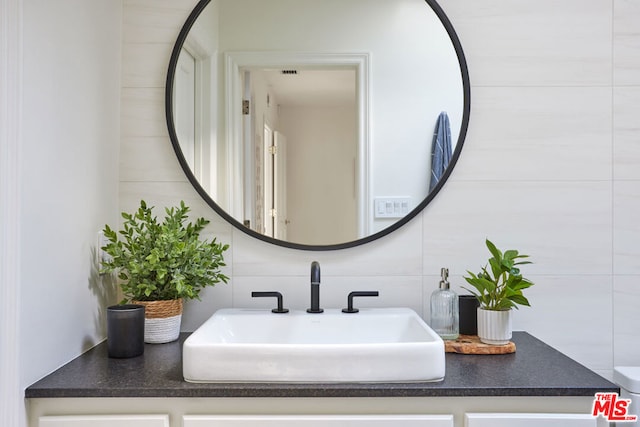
519,299
499,285
510,254
494,251
496,267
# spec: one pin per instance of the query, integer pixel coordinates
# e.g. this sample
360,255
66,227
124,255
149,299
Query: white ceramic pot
494,327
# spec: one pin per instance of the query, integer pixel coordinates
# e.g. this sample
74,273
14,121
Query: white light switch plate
391,207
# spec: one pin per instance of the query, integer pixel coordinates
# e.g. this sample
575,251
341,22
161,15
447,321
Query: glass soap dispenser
444,309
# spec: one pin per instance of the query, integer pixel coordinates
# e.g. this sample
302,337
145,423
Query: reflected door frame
236,61
201,154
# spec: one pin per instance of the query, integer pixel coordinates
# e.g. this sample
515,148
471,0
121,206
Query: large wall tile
626,318
573,314
626,42
398,254
535,43
626,227
213,298
296,291
564,226
541,134
626,148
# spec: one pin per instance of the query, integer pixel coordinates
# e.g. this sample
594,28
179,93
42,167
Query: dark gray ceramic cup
468,314
125,330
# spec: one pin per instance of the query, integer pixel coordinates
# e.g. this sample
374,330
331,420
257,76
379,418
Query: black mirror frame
432,194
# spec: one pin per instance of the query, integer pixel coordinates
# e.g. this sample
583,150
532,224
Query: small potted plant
498,288
161,263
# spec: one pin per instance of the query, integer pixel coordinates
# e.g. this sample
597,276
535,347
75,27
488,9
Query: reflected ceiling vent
289,72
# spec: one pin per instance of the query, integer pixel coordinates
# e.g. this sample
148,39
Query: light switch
391,207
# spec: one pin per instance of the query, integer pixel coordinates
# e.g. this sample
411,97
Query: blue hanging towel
441,149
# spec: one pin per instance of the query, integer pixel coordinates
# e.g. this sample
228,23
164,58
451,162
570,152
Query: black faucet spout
315,288
315,272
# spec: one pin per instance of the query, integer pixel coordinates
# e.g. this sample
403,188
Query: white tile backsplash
541,43
538,134
550,167
626,47
397,254
573,314
546,220
626,294
626,145
212,299
626,235
394,291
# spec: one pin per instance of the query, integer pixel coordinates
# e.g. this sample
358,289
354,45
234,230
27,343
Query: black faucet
315,288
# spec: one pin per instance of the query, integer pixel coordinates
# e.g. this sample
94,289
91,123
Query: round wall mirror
317,125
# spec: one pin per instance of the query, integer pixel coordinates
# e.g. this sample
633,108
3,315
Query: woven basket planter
162,320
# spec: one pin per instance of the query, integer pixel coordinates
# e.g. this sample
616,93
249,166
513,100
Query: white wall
11,400
550,167
67,125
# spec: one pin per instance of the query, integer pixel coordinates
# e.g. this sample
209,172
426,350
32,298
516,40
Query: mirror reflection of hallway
310,150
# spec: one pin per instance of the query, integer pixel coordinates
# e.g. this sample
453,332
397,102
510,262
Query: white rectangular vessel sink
374,345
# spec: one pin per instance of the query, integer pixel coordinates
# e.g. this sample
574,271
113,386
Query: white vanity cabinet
104,421
475,411
530,420
319,421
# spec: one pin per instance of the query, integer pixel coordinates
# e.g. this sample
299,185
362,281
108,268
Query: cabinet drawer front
319,421
529,420
105,421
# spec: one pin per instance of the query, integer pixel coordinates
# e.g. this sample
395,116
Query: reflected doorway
306,158
324,192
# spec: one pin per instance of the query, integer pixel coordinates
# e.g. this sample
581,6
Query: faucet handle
353,294
275,294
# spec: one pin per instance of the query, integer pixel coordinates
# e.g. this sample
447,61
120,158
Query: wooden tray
470,344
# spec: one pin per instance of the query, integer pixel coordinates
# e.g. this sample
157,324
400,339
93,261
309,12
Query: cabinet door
105,421
319,421
529,420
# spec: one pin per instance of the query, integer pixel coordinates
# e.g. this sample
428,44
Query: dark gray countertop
535,369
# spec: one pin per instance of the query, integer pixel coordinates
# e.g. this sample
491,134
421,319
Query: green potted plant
498,288
161,263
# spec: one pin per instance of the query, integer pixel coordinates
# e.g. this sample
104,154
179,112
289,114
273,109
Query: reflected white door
280,185
275,184
268,182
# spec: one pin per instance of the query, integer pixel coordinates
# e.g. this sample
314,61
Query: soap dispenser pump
444,309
